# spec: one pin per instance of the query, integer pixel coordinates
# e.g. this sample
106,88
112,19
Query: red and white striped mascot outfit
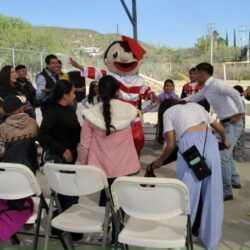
123,59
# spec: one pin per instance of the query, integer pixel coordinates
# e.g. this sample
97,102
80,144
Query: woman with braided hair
107,132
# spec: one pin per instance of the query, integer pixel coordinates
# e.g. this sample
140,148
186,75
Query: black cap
12,103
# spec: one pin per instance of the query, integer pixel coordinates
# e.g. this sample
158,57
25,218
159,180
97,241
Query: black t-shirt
60,130
7,90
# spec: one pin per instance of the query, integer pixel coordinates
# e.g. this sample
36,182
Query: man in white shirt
228,105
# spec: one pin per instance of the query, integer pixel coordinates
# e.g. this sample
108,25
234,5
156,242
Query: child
92,98
239,148
168,93
107,131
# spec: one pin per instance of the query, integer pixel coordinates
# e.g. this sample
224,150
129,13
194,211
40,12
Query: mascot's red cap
135,47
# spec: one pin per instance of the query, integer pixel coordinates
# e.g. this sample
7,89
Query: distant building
93,51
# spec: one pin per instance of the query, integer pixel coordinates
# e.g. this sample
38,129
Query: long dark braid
107,89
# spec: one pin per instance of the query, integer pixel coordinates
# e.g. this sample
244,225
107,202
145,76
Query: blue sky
174,23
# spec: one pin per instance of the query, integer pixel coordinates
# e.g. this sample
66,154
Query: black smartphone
197,163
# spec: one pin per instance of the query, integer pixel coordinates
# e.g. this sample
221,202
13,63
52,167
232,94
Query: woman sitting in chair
189,123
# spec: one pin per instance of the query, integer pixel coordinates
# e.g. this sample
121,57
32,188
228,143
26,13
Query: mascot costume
123,59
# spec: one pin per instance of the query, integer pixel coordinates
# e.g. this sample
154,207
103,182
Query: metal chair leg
59,207
14,240
189,233
37,229
105,225
50,214
65,247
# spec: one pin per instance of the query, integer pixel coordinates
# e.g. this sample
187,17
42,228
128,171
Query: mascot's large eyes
115,55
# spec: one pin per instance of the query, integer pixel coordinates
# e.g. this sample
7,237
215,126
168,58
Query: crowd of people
107,131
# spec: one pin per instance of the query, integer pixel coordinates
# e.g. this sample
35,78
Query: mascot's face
119,61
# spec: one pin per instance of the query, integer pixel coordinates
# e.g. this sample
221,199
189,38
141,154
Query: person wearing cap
18,133
123,59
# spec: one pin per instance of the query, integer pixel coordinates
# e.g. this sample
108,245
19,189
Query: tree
235,44
227,39
204,42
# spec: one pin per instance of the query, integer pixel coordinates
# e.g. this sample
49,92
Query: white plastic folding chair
247,109
158,212
78,180
16,182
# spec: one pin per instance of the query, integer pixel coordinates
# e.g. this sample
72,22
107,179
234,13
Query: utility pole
133,17
13,57
243,29
211,27
249,37
235,43
41,60
117,30
248,46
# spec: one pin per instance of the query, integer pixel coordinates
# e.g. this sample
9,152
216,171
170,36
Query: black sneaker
228,197
76,236
236,186
55,231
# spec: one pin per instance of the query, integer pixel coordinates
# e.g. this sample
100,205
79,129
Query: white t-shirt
182,117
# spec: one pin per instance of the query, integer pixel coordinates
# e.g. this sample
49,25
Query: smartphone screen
195,161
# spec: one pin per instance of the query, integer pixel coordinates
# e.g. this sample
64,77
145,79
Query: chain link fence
34,61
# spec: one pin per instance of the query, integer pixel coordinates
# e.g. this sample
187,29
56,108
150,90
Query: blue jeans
230,175
53,158
239,148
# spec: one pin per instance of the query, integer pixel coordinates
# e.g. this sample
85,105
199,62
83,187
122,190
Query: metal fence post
13,57
41,60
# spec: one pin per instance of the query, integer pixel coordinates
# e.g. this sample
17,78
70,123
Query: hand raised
75,64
